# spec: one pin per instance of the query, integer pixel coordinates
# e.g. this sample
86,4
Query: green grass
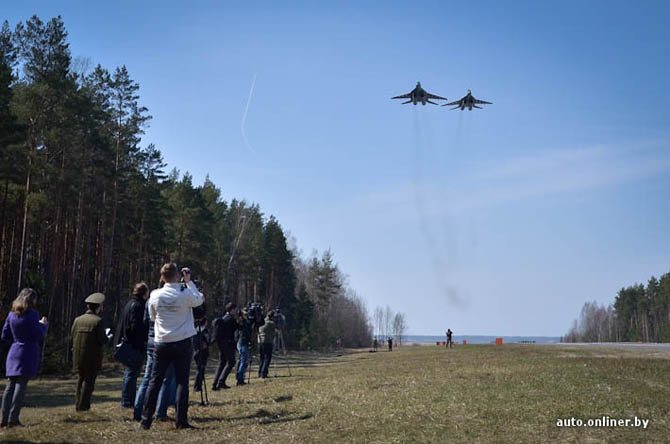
480,393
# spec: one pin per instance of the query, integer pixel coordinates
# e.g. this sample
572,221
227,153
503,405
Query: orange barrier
499,341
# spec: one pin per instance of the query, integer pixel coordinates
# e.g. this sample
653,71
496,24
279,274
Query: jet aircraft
419,94
469,102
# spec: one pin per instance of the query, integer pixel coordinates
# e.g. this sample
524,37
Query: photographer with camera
243,344
224,333
266,336
171,309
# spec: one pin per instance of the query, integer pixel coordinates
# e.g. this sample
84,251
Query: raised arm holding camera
171,309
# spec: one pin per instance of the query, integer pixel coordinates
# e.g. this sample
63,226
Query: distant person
450,344
168,391
374,344
171,308
266,336
390,342
133,331
224,334
243,345
201,342
88,341
24,329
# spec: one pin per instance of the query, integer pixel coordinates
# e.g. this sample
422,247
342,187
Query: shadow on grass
262,416
86,420
20,441
47,395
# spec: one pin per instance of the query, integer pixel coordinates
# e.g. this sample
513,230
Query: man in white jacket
171,309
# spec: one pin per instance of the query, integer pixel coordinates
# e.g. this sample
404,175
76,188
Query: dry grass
513,393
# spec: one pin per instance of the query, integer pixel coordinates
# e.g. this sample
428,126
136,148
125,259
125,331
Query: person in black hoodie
224,333
133,330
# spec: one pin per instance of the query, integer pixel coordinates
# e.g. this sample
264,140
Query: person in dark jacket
133,330
168,392
201,343
243,344
224,333
24,329
88,341
266,337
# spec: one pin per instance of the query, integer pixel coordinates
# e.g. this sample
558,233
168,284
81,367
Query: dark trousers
226,362
266,358
179,354
85,386
129,386
201,364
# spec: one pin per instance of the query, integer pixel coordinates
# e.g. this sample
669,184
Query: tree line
85,206
639,313
389,324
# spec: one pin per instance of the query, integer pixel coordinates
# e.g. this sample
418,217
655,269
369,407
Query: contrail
439,266
244,117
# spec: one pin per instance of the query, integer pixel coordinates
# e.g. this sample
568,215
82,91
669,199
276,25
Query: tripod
280,349
204,400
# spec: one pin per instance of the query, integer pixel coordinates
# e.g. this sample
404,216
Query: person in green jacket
88,340
266,336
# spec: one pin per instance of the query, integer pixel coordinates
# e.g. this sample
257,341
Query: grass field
478,393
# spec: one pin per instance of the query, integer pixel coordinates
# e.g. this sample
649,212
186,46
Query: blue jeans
166,396
129,387
12,400
242,363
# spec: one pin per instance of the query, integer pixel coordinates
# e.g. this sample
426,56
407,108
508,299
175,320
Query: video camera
200,311
255,313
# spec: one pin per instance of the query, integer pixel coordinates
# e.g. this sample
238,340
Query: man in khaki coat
88,341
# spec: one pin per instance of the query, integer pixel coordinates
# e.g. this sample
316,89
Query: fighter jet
419,94
468,101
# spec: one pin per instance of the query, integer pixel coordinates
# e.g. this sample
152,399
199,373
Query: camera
255,313
200,311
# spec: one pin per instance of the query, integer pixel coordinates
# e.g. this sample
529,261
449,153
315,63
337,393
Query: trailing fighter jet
419,94
468,101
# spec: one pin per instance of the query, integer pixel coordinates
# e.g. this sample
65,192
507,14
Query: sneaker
185,426
144,425
224,386
215,388
241,383
14,424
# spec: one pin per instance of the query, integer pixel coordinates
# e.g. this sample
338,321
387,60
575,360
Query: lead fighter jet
419,94
468,101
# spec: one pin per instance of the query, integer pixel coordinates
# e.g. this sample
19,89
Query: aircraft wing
482,102
457,102
433,96
404,96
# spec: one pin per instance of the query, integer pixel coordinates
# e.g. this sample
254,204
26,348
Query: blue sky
501,221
